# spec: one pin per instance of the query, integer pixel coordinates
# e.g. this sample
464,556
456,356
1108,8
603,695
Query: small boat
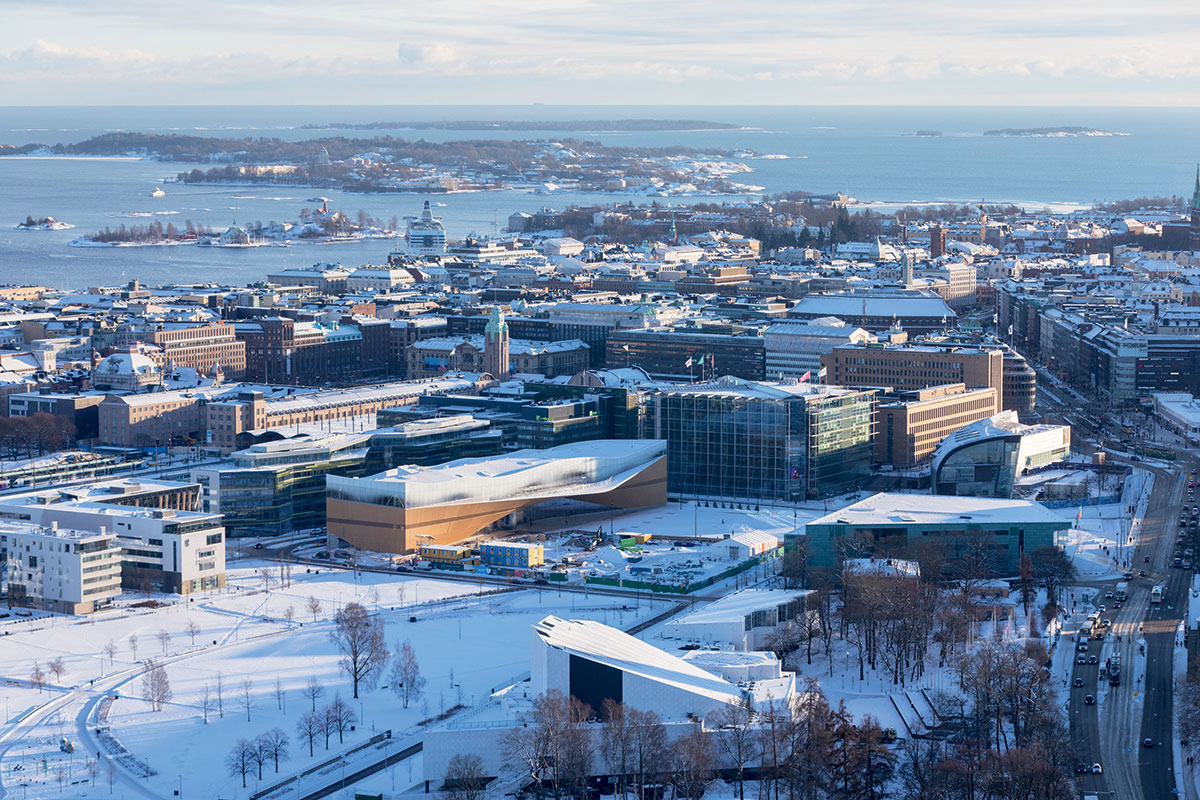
158,192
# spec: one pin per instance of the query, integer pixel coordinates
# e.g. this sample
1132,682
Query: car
1107,623
1081,660
1081,769
1090,700
1142,572
1083,647
322,555
1147,742
1093,660
1187,563
1178,541
1078,682
1146,559
258,545
1098,635
1117,606
1127,575
1096,768
1102,609
1176,562
1108,595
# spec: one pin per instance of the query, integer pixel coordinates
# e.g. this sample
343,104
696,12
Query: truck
1114,670
1122,591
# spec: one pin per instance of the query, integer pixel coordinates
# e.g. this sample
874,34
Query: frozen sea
869,152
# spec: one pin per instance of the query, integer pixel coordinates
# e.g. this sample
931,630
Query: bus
1122,591
1156,594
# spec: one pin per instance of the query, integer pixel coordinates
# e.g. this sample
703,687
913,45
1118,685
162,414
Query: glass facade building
741,440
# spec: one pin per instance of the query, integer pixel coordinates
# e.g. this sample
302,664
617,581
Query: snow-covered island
1061,131
315,226
43,224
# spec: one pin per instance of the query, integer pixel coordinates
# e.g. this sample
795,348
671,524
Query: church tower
495,346
1195,227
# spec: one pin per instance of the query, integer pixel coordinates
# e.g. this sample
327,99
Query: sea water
870,153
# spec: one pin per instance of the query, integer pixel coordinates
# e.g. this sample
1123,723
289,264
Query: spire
1196,193
496,321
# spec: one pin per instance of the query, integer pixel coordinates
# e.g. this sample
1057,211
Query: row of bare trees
248,754
336,717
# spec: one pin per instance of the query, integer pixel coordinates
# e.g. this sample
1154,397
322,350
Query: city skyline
928,52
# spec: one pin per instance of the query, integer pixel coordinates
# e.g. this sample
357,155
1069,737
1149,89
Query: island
577,125
43,224
1062,131
929,133
315,226
391,164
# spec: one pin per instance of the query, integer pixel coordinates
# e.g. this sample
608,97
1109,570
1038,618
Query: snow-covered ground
468,644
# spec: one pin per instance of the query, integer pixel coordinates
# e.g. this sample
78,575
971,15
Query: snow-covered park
264,638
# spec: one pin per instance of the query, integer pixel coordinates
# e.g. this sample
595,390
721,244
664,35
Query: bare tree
313,691
164,639
259,755
314,607
110,650
241,759
340,716
57,668
552,744
206,702
275,744
191,629
219,690
289,614
359,638
247,697
37,676
405,677
133,645
615,742
738,738
465,778
309,727
156,688
279,693
692,764
110,768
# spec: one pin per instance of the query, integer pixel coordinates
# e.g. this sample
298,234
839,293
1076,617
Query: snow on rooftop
888,508
734,607
617,649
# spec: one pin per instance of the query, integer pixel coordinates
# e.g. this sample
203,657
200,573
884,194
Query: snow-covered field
467,643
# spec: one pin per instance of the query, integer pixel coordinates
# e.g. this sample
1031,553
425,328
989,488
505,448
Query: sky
601,52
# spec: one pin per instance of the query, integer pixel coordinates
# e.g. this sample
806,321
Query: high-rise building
495,346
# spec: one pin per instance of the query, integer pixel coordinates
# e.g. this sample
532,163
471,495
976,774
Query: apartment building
149,420
62,570
161,549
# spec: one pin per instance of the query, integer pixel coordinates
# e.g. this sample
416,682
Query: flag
1079,517
821,373
806,376
688,363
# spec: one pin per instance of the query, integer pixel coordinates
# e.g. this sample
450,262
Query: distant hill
532,125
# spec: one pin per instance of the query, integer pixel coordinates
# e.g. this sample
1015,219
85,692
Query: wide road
1156,764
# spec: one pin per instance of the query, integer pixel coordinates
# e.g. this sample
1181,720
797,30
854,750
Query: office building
685,354
397,510
793,350
200,347
912,367
735,439
912,423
